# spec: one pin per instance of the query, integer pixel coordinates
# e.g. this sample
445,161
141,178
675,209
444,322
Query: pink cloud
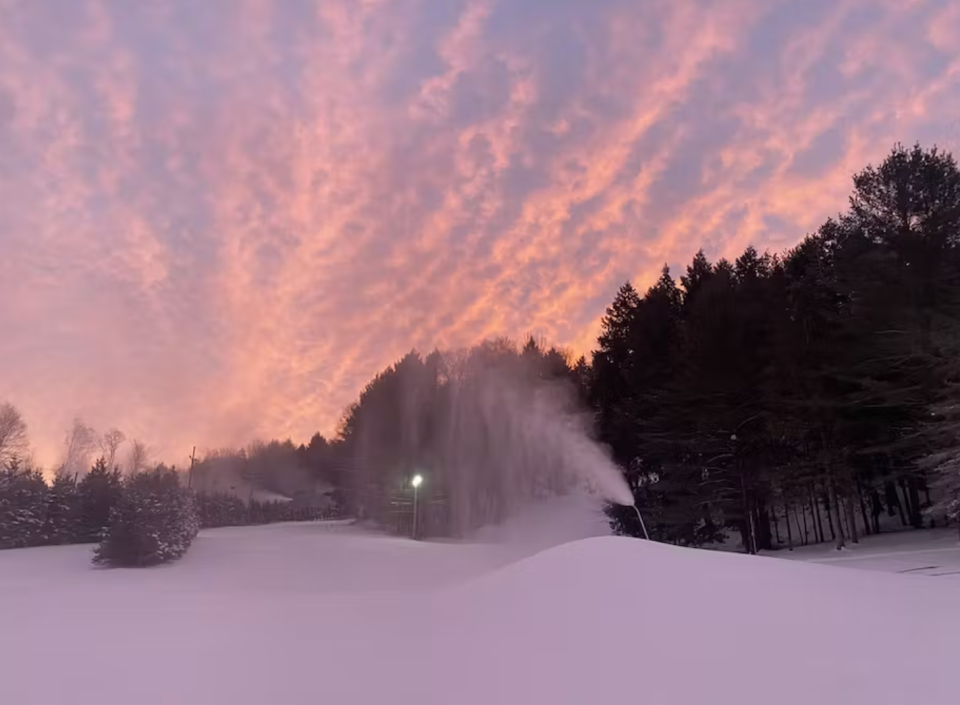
219,221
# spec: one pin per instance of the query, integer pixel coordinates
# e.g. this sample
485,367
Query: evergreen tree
612,368
698,272
801,383
154,521
99,491
63,511
582,377
910,201
220,509
23,497
713,457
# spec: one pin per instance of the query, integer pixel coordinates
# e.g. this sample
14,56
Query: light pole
416,481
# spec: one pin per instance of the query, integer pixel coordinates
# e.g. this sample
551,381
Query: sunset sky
219,218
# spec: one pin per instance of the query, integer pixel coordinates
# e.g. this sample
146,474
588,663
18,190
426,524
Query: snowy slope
931,552
292,614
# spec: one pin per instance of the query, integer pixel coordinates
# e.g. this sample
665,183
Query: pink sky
219,219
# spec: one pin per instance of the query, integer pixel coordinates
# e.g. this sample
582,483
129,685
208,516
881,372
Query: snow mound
614,618
598,620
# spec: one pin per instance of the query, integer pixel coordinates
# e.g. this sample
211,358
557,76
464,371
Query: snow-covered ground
312,613
932,552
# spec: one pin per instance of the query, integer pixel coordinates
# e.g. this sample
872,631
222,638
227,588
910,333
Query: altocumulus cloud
219,219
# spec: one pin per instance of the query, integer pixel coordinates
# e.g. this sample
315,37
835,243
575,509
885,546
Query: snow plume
513,441
492,431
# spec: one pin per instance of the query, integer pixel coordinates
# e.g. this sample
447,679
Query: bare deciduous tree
138,457
13,434
81,440
109,442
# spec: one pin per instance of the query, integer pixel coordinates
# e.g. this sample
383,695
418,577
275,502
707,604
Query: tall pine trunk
828,505
776,524
876,509
816,518
745,534
852,520
835,512
907,507
863,510
823,534
893,497
764,533
786,515
803,515
749,536
916,516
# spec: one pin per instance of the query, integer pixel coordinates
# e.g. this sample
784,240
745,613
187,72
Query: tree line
80,444
795,397
784,398
818,381
141,519
136,519
138,513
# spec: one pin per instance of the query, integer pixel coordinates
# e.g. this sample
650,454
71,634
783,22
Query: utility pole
193,460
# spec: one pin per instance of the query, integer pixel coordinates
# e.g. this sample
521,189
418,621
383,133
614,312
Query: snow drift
292,613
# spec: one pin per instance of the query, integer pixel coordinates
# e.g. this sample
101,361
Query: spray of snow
544,524
268,496
513,440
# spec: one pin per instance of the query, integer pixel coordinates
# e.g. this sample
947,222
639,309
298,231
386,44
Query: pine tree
63,511
634,362
698,272
713,456
910,202
154,521
23,496
582,377
99,492
613,364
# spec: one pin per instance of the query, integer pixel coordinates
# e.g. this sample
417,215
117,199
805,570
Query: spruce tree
63,511
23,498
154,521
99,492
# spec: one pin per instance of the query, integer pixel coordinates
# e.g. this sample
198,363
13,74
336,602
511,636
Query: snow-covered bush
23,499
155,521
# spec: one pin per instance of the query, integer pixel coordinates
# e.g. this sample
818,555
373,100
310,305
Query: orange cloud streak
220,220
